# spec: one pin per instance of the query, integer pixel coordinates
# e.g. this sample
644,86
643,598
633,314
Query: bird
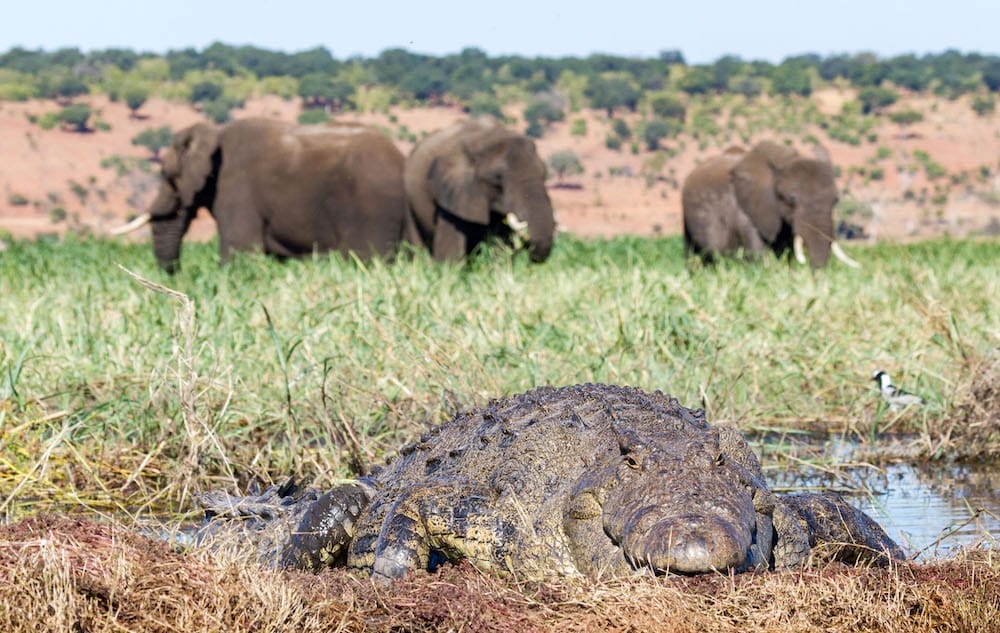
893,395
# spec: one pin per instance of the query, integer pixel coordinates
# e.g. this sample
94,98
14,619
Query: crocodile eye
631,462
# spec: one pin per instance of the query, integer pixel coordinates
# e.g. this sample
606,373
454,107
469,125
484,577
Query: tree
875,98
667,107
426,83
218,110
565,162
545,108
71,87
318,89
655,131
205,91
154,139
135,96
791,79
620,128
484,104
76,115
610,93
991,73
697,80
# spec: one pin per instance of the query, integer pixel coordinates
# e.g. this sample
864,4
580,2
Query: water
929,508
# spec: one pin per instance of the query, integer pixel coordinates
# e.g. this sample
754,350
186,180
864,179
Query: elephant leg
748,236
450,239
240,225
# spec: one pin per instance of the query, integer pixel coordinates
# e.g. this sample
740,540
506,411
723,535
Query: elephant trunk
167,234
816,234
529,201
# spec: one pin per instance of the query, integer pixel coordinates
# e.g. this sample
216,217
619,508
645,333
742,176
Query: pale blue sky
702,30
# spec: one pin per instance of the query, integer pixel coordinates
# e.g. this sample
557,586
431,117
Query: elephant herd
291,190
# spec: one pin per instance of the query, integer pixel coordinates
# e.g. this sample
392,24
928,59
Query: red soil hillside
55,180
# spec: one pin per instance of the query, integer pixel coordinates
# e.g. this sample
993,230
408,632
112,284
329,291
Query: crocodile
595,480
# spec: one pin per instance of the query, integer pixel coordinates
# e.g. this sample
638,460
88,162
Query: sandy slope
45,170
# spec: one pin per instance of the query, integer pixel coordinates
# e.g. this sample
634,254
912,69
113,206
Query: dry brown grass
59,574
973,431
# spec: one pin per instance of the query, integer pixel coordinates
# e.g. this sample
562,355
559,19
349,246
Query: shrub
484,104
874,98
534,129
154,139
613,141
205,91
565,162
668,107
218,110
983,104
71,87
16,200
75,115
135,96
746,85
610,93
313,116
620,128
906,117
578,128
657,130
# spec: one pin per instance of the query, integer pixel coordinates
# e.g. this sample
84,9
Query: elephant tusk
518,225
137,223
842,256
800,255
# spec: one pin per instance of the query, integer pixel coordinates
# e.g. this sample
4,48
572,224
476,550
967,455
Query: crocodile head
672,502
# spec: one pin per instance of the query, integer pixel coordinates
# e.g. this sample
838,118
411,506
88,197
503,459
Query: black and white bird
896,397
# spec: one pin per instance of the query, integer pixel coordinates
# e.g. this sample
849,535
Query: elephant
281,189
474,180
770,197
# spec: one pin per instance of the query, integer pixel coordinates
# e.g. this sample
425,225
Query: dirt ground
58,180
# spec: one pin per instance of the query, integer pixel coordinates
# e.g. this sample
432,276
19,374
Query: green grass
112,396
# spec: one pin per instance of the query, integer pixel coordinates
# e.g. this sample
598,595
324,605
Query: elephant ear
753,182
456,187
195,147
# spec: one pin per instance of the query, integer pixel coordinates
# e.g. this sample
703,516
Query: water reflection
931,509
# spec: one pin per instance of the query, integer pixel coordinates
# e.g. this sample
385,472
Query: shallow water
929,508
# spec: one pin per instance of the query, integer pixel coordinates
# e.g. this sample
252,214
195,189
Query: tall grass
319,367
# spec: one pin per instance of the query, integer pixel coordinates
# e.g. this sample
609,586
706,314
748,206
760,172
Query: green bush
875,98
205,91
906,117
75,115
578,128
657,130
983,104
620,128
484,104
135,96
313,116
218,110
565,162
17,200
70,87
613,142
154,139
668,107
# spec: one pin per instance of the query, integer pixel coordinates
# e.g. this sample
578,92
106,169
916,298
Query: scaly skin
590,479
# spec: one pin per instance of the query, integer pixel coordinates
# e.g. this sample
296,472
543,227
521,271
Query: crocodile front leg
437,520
326,528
